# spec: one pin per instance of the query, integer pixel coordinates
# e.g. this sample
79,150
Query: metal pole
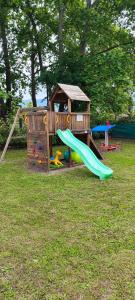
106,138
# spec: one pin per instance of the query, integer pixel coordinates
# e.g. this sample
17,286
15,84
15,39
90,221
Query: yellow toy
56,160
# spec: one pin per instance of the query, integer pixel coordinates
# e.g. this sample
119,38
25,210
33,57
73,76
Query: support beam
50,145
10,136
93,146
70,160
88,106
69,105
88,139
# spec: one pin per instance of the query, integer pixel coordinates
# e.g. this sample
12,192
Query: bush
18,142
19,136
101,118
4,129
126,119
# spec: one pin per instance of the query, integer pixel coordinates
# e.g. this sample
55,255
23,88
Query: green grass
67,236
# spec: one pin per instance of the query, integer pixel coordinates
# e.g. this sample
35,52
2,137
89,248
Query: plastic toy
56,160
66,155
75,157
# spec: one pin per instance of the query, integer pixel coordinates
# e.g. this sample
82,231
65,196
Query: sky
41,94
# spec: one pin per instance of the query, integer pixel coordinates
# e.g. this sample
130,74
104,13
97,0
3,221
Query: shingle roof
73,92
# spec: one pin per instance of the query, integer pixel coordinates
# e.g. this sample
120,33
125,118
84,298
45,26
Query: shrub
19,136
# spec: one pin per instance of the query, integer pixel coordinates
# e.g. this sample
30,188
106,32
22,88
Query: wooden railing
63,120
80,121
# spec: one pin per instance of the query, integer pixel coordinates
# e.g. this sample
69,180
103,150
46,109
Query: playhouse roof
72,91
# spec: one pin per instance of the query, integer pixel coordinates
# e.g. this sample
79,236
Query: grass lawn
67,236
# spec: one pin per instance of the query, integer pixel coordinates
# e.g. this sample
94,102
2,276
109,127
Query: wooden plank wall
61,121
84,124
38,141
66,120
51,121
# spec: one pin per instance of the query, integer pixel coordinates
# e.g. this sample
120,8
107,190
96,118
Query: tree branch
111,48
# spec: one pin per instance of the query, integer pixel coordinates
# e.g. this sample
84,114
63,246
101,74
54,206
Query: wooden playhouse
68,108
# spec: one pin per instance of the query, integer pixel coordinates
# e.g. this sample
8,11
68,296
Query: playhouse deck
41,120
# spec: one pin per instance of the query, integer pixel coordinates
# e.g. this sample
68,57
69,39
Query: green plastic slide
86,154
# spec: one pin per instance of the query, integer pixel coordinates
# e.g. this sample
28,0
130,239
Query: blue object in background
52,158
102,128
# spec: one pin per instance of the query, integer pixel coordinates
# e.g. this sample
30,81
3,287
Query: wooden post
88,139
88,107
50,145
10,135
93,146
70,161
69,106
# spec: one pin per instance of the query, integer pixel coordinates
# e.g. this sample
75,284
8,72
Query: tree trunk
88,3
49,92
83,41
30,14
6,63
33,79
60,28
2,109
83,45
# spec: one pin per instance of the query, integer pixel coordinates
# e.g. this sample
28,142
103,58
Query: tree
97,53
10,71
84,42
6,60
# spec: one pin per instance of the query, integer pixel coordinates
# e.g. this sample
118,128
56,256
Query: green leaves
86,43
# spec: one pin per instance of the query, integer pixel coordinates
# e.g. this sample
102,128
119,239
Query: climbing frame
38,141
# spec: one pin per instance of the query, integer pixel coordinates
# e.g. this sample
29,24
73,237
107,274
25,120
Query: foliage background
81,42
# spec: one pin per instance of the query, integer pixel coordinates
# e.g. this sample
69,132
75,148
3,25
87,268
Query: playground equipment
87,156
69,108
43,124
106,128
56,160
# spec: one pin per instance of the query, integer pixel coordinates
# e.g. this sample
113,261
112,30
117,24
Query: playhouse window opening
60,107
78,106
63,107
